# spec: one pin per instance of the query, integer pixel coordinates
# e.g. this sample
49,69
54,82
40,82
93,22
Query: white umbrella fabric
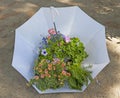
71,21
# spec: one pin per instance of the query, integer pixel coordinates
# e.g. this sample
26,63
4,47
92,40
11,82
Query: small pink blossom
68,74
52,31
64,72
46,71
42,76
63,65
36,77
56,61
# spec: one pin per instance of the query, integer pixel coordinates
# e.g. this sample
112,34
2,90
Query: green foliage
79,76
62,63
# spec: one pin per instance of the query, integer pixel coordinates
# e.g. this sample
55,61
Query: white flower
44,52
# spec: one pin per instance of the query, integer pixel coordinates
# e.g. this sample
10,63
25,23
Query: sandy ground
14,13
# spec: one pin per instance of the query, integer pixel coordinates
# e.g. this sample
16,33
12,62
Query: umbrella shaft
55,27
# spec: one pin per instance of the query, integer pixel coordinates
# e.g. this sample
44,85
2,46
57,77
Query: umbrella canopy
71,21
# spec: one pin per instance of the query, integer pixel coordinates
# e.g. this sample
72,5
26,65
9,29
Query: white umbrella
71,21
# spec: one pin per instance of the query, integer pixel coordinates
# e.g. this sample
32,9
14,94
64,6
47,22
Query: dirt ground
14,13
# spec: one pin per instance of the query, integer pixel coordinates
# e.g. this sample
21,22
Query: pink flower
42,76
64,72
36,77
46,71
68,74
52,31
56,61
63,65
49,66
67,39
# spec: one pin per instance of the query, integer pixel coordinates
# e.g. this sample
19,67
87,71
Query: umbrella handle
55,27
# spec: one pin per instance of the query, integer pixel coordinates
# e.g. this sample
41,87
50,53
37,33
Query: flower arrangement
59,62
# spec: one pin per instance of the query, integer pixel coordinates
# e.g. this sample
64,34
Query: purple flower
44,41
40,46
44,52
67,39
